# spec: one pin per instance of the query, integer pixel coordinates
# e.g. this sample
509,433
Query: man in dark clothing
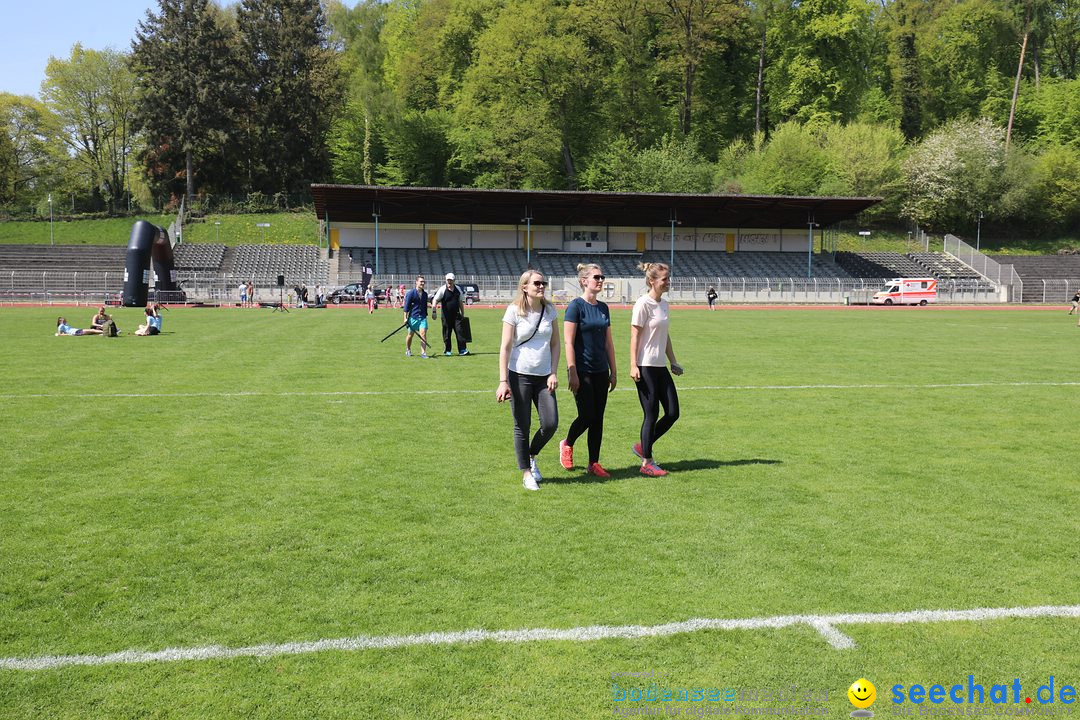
453,304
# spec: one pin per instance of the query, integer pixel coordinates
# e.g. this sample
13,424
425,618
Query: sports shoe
448,353
528,481
535,470
408,353
638,451
423,355
651,469
566,455
464,352
597,470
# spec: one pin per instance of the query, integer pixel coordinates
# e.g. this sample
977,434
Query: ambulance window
924,286
894,288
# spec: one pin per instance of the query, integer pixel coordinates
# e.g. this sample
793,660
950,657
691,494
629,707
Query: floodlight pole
671,258
809,245
52,229
375,213
217,232
978,230
528,237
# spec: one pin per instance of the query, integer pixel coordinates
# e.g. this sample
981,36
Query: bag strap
539,320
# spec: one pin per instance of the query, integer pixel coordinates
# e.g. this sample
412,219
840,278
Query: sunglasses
598,277
540,283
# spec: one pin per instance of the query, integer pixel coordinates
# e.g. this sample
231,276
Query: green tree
39,151
791,163
956,172
624,33
1056,176
865,160
672,165
1063,38
1050,113
295,89
93,95
522,116
189,101
959,50
8,166
689,32
823,53
356,139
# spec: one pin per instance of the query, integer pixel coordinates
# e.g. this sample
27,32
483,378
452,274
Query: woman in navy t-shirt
590,360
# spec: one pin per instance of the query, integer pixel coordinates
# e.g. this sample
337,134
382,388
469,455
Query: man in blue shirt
415,307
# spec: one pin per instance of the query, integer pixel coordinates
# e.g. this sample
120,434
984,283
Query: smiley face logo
862,693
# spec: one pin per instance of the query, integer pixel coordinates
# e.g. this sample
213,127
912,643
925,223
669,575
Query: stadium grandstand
751,248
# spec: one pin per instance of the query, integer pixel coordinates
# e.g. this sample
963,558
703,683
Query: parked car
471,292
353,293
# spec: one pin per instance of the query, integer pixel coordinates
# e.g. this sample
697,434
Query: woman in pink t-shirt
649,346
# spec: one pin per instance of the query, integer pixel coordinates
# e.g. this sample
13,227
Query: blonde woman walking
590,365
649,346
528,361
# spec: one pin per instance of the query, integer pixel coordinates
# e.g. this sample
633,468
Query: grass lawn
285,228
251,477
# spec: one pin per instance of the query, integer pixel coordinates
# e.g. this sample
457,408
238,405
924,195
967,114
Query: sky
33,30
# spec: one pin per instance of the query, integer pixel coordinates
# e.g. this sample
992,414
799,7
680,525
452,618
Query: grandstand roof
357,203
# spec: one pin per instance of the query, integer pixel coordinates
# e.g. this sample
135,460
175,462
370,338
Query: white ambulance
907,291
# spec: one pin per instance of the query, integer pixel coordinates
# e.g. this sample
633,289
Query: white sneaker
423,355
535,470
408,353
529,481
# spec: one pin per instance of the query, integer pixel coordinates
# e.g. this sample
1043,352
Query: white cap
449,276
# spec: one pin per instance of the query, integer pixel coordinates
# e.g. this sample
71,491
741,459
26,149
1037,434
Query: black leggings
656,388
526,391
591,401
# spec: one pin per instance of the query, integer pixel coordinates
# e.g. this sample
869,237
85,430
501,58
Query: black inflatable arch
148,243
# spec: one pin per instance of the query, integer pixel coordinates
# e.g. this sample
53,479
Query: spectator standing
415,309
649,345
243,294
453,310
711,296
528,361
401,294
590,367
369,298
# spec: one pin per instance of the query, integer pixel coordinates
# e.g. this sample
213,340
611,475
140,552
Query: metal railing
1003,275
51,286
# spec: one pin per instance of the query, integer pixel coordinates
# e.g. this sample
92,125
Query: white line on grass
824,624
366,393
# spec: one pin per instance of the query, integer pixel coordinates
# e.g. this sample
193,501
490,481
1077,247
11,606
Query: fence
92,287
1003,275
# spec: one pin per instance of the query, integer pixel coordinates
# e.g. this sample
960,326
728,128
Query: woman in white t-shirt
528,362
649,346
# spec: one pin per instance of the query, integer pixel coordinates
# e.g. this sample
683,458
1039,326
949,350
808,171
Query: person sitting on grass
153,322
105,323
62,328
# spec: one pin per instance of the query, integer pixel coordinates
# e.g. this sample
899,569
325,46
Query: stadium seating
1034,269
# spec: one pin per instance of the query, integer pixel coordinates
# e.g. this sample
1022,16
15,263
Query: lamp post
217,232
52,229
528,237
978,230
263,226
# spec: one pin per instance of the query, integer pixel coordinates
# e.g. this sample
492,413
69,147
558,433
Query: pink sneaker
597,470
651,469
637,450
566,455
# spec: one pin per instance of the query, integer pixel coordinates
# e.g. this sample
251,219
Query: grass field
285,228
256,478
